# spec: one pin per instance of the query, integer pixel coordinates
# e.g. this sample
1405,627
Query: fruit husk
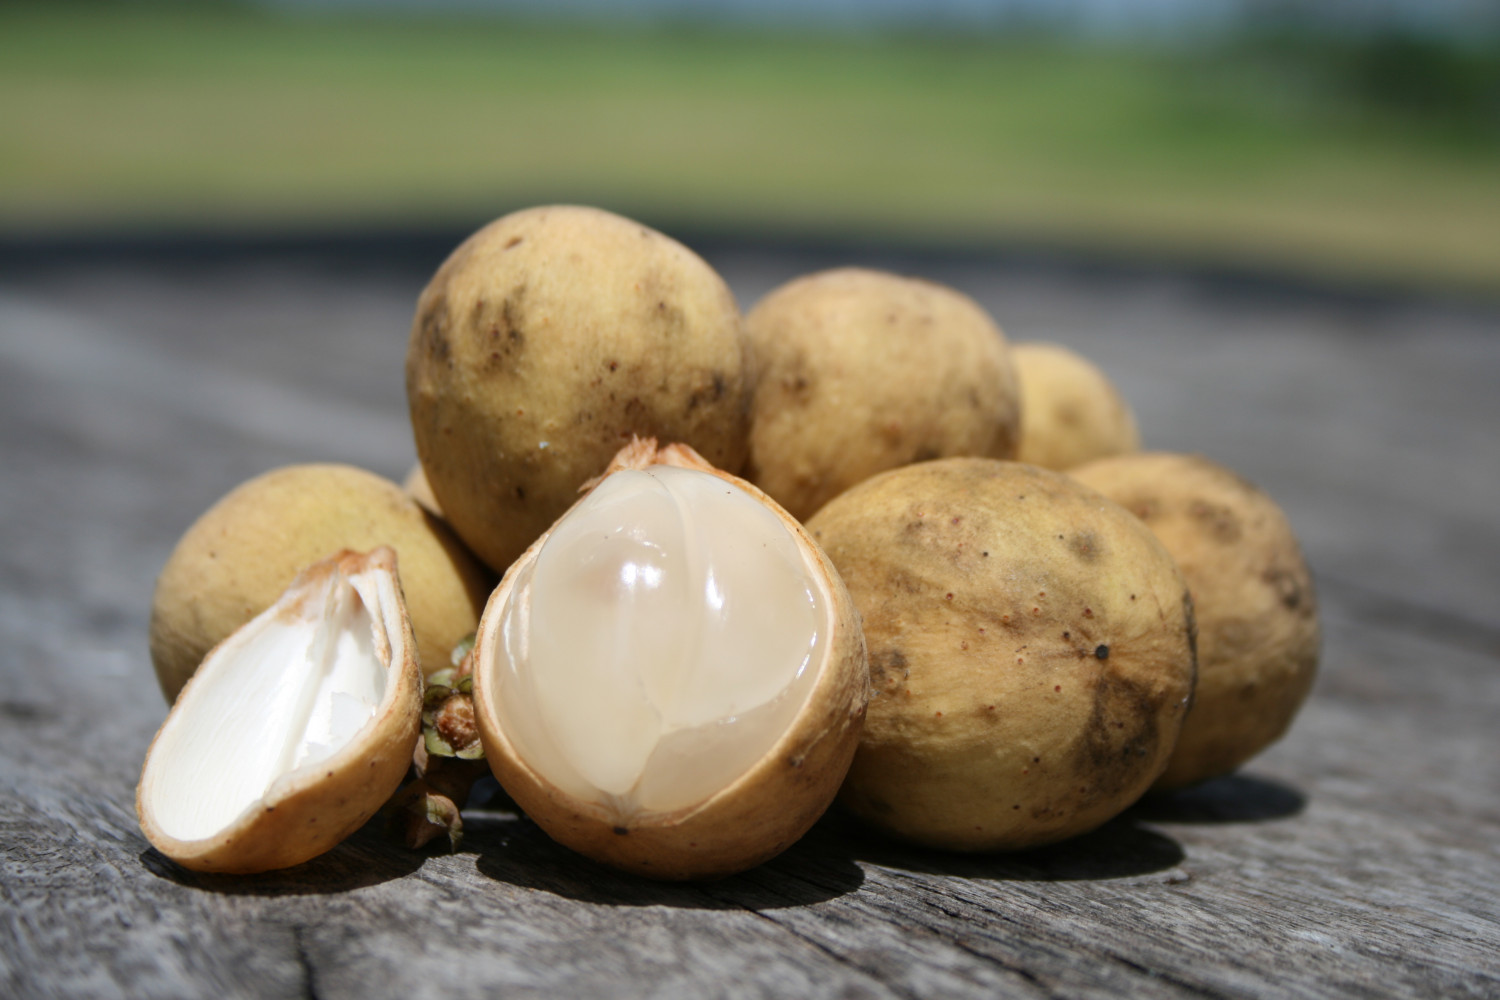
310,810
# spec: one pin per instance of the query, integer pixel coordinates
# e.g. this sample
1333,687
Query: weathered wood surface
1360,857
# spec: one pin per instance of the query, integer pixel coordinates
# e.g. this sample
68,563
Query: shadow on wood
514,850
1234,798
1119,849
365,859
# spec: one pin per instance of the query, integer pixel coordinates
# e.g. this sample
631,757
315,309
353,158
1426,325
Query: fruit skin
312,810
764,811
1070,411
542,344
244,551
1031,652
859,371
416,486
1258,632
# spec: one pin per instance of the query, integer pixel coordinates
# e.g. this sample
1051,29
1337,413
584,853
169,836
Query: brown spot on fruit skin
713,392
433,330
1086,546
1122,731
888,668
904,583
503,332
1221,523
1287,586
670,316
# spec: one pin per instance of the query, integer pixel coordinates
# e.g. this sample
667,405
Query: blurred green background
1368,153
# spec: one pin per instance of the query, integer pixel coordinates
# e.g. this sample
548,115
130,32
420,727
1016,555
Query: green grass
219,117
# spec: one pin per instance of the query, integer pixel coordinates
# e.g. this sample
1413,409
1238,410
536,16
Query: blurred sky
1185,19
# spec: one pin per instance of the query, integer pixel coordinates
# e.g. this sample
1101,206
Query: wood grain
1359,857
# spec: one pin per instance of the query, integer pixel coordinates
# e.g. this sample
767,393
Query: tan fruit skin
310,812
860,371
1258,632
1070,411
1031,653
757,817
417,487
236,560
542,344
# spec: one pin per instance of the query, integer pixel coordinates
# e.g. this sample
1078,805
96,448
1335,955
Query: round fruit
672,679
542,344
861,371
1070,412
244,551
1258,634
1031,652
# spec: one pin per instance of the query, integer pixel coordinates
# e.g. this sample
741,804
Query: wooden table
1359,857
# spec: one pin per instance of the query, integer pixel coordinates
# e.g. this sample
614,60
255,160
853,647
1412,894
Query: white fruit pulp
662,641
284,693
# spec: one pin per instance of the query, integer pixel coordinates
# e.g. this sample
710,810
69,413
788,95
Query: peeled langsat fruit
672,679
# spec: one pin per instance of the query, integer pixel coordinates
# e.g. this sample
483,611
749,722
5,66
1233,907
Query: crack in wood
1062,944
993,960
304,961
841,959
1195,989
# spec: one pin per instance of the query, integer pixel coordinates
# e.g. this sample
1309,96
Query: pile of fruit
904,604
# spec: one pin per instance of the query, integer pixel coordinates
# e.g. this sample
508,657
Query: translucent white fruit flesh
276,699
665,636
